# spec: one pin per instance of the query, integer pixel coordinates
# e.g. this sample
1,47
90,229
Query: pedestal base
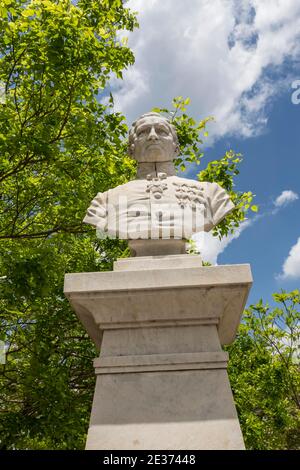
164,410
161,375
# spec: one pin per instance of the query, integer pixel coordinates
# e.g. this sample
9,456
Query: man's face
153,141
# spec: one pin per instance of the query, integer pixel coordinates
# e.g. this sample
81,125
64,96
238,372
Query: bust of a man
158,209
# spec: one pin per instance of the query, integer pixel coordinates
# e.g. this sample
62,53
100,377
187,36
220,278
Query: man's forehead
150,120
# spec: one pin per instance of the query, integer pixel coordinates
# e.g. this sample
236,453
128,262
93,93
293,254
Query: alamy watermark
295,98
127,220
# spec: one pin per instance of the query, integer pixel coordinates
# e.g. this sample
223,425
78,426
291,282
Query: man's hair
152,113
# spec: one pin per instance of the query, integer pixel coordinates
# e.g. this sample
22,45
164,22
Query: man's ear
177,151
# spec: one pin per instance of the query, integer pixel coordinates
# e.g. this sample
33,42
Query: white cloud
211,247
291,266
217,52
285,198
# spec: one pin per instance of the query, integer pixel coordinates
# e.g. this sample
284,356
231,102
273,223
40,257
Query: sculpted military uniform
159,207
158,204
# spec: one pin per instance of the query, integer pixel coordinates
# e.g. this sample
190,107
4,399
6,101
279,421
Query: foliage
188,130
59,146
265,374
223,171
48,380
192,248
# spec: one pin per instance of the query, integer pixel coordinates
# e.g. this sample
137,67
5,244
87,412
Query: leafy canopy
265,374
223,171
59,145
59,142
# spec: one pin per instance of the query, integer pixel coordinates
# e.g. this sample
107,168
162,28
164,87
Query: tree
59,145
265,374
59,142
223,171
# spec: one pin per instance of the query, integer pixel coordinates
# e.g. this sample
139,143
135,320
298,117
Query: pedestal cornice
194,295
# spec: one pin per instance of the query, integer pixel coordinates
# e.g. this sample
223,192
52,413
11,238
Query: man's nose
152,134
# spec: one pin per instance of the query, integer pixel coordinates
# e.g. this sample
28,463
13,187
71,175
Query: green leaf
28,12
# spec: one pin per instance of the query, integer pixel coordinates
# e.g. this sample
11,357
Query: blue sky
236,60
271,165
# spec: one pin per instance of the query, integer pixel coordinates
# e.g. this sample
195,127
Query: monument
158,205
160,318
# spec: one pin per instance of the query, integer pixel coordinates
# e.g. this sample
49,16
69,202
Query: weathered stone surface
158,205
149,247
161,374
213,294
158,262
185,409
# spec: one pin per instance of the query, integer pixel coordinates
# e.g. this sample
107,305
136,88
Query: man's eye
162,132
141,133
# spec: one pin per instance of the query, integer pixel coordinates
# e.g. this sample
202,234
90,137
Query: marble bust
158,208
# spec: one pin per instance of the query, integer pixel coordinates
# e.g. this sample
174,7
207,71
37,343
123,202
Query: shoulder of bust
188,182
131,186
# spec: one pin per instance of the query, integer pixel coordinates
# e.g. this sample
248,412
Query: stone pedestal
161,375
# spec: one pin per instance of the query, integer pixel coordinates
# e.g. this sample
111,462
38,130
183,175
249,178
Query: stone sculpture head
152,138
